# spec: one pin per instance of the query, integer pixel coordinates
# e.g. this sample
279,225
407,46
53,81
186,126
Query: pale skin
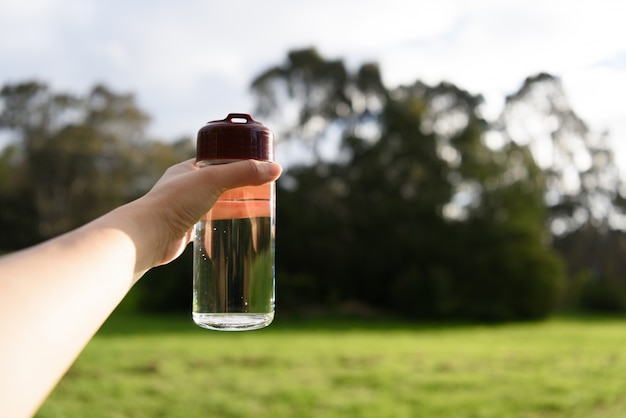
56,295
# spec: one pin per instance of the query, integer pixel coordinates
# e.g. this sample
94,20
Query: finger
181,168
219,178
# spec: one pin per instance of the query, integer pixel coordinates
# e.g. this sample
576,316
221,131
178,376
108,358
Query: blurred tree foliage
403,199
71,158
584,191
425,208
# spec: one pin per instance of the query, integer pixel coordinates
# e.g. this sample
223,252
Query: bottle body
233,270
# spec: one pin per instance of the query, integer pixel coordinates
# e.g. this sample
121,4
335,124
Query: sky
191,61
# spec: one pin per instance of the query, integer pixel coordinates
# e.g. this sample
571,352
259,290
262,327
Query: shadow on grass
124,323
133,324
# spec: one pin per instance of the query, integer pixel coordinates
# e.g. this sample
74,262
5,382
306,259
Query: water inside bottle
233,285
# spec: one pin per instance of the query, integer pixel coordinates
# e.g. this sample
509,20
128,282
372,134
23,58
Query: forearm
54,297
76,279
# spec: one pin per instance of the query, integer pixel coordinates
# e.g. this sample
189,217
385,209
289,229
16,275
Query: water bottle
233,259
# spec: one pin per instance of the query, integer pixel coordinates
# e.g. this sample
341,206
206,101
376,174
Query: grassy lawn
166,367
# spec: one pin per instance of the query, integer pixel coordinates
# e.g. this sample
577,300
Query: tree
75,157
584,190
308,97
18,214
583,184
415,213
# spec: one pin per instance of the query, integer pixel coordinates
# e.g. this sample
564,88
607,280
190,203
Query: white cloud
192,60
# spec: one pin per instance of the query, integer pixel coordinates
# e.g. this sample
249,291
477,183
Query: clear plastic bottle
233,271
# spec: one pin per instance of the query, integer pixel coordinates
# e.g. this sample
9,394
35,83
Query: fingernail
274,169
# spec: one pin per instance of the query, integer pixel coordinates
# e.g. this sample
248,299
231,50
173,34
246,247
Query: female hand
58,293
183,195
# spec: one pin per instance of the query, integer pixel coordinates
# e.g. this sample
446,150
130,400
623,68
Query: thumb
218,178
183,195
186,192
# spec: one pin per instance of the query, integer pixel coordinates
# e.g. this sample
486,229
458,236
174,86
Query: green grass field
166,367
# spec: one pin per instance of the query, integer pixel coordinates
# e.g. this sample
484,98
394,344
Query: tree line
404,200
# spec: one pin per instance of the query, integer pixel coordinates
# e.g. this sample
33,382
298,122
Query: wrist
134,221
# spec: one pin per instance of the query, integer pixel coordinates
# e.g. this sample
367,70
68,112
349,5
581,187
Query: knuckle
253,168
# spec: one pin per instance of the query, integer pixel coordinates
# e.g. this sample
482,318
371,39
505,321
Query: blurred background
443,159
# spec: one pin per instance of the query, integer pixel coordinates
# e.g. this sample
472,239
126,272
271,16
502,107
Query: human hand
90,270
180,198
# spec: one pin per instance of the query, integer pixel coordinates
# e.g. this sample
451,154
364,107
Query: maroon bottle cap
237,137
